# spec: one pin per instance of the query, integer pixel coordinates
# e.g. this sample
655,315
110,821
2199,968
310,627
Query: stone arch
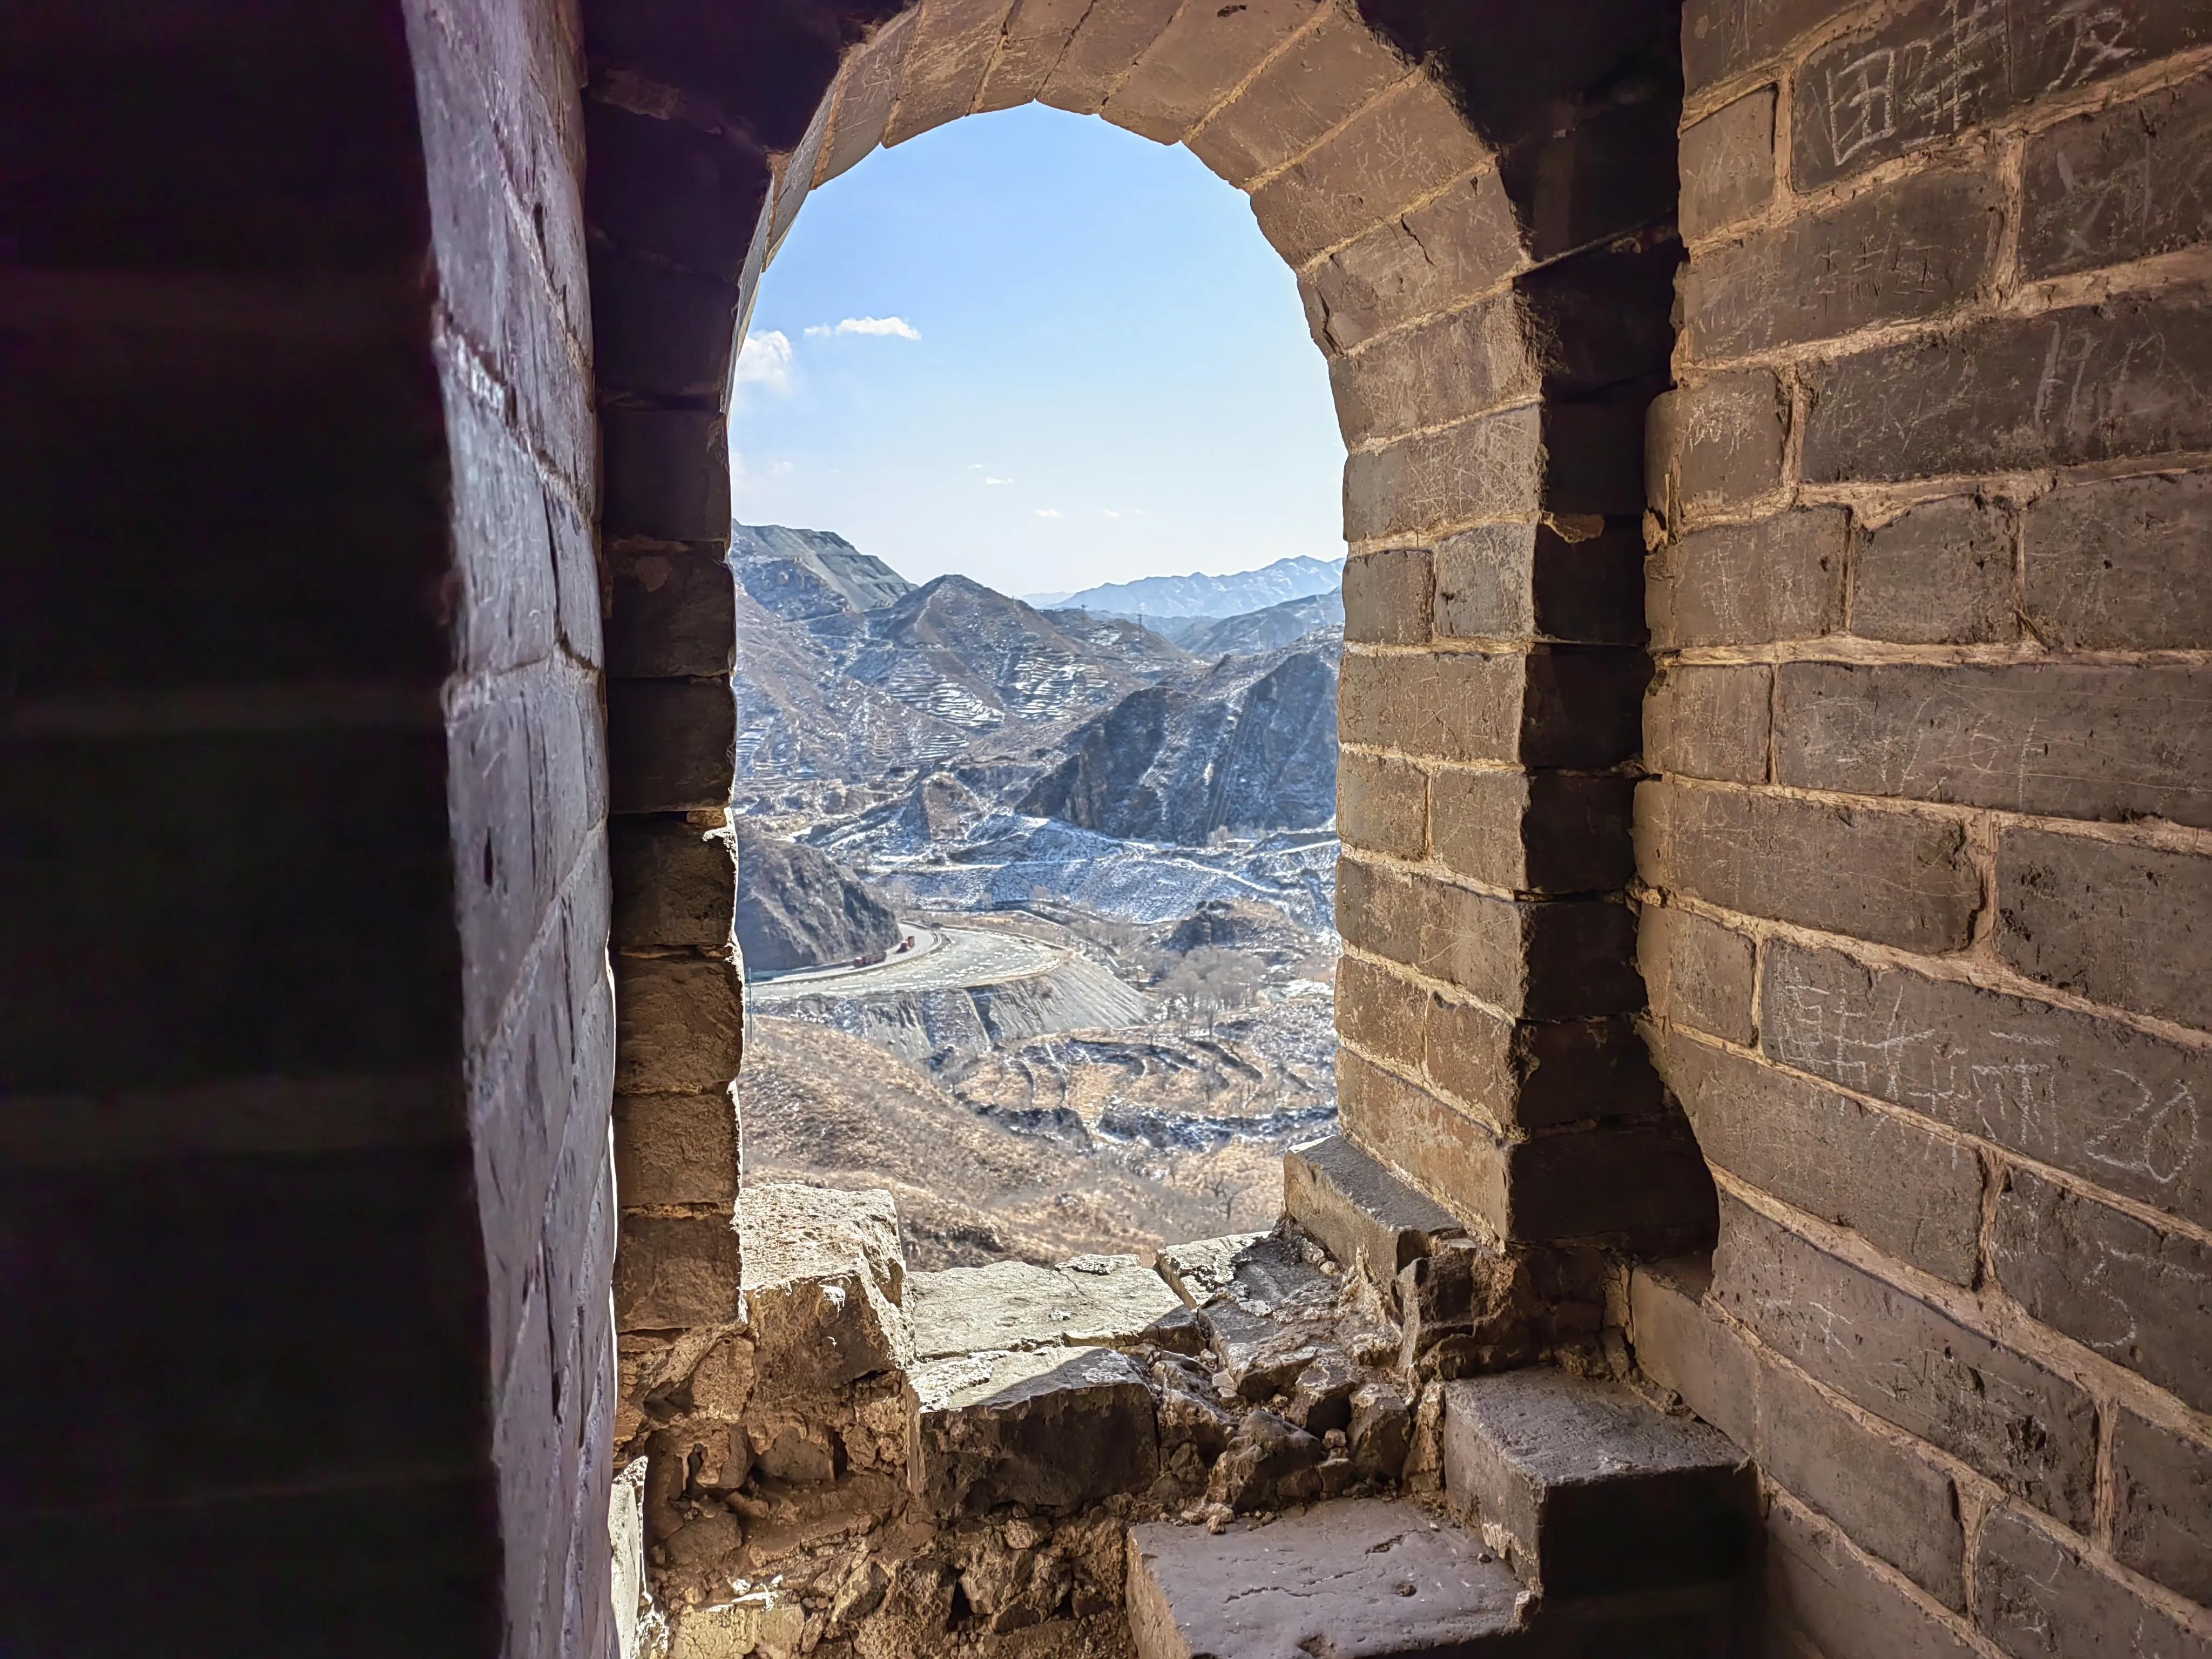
1487,262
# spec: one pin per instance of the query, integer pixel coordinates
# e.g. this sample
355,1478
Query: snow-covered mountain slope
1257,631
1200,595
1249,747
808,573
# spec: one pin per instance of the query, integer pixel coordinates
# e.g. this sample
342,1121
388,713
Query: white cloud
997,481
765,359
1109,511
1050,513
893,326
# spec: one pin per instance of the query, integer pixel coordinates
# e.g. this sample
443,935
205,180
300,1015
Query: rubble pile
873,1464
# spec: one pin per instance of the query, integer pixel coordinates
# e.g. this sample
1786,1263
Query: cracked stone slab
1053,1429
824,1279
1279,1313
1203,1267
1588,1488
1359,1578
1094,1301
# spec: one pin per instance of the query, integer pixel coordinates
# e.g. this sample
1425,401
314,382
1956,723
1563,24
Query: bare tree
1212,980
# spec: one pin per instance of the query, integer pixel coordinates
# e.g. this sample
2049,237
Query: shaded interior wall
1494,347
527,785
1926,902
240,1263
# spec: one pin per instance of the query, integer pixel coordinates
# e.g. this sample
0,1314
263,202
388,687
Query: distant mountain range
980,705
1150,599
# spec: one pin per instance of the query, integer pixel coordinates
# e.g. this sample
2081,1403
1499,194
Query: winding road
962,958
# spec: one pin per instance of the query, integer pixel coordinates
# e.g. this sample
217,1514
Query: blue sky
1043,352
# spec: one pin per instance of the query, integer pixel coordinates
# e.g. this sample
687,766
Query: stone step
1358,1578
1359,1209
1586,1489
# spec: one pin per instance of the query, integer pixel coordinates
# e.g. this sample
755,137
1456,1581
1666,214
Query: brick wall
527,785
1920,853
1496,334
240,1254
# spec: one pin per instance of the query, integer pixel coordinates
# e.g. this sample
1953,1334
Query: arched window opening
1039,620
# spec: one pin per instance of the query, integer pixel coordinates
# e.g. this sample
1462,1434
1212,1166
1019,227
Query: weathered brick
1398,149
1639,1187
1491,468
1528,1074
675,1149
1105,43
1907,1191
676,1271
1930,73
1543,832
1715,446
675,610
1036,33
2039,1599
1431,259
1582,582
2086,1095
1319,82
664,188
952,44
1878,1346
1941,574
1709,722
2137,1294
672,745
1894,878
2162,1504
1916,249
503,537
1564,705
795,170
667,474
1583,707
1448,1153
2125,183
1682,1347
679,1024
1386,596
1548,959
1457,707
1607,176
1722,38
1603,317
868,84
1382,805
2056,739
1382,1014
661,329
1467,363
1635,1182
2124,564
1818,1584
673,883
1594,454
1198,60
1891,1500
1728,164
1698,972
1379,910
2118,925
2089,383
1779,579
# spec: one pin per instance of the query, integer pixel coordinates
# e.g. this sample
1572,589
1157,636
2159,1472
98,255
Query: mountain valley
1038,904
